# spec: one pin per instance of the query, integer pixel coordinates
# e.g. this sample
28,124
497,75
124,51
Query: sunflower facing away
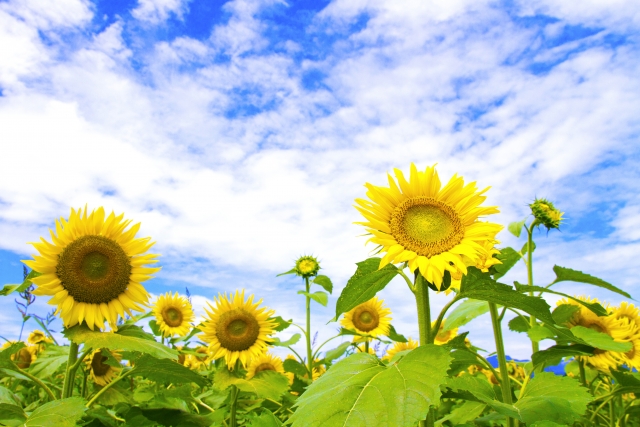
398,347
101,372
93,268
173,314
264,362
24,357
369,318
237,329
431,227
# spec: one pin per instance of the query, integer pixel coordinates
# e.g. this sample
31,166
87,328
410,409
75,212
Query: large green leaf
395,336
361,390
548,397
166,371
334,353
324,281
564,312
539,332
519,324
480,286
19,287
11,415
7,396
265,419
49,361
464,313
480,389
553,355
600,340
81,334
59,413
295,367
468,411
266,384
365,283
567,274
594,307
509,257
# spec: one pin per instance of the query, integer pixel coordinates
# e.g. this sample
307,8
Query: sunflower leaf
564,312
519,324
365,283
265,419
395,336
19,287
81,334
11,415
538,333
515,228
464,313
59,413
335,353
266,384
153,325
325,282
509,257
319,297
594,307
49,361
281,324
600,340
294,367
567,274
292,271
553,355
291,341
5,355
361,390
525,248
166,371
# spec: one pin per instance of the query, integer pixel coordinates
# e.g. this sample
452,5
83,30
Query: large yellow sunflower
93,268
173,314
369,318
264,362
237,329
398,347
101,372
433,228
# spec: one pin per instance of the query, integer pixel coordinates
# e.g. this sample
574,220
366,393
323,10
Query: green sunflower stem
35,380
424,327
69,378
535,346
234,404
308,333
505,384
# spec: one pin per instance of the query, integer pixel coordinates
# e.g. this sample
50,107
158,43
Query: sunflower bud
546,214
307,266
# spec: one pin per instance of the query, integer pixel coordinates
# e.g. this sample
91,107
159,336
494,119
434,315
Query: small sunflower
102,373
369,318
546,214
443,336
24,357
264,362
38,337
173,314
307,266
237,329
432,228
93,268
400,346
199,360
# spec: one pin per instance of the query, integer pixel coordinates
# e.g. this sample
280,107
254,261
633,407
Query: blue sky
238,133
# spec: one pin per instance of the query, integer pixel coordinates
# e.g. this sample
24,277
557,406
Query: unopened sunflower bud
546,214
307,266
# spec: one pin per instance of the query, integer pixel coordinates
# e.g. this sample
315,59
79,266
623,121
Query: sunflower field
128,360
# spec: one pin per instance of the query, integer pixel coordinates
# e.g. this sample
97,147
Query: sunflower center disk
237,330
97,364
366,320
265,367
172,317
426,226
94,269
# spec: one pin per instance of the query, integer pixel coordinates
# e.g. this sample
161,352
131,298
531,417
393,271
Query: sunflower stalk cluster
129,358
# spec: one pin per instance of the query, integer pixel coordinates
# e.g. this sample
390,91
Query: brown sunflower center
366,319
98,366
23,358
172,316
237,330
94,269
426,226
265,367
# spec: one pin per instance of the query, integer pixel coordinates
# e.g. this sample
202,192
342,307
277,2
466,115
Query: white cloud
156,11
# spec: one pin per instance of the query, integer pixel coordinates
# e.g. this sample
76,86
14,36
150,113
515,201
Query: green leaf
519,324
462,359
292,271
335,353
361,390
153,324
395,336
265,419
509,258
49,361
295,367
20,287
291,341
548,397
525,248
480,389
594,307
325,282
166,371
7,396
600,340
81,334
564,312
554,355
464,313
134,331
281,324
468,411
480,286
515,228
539,333
567,274
266,384
365,283
168,417
319,296
11,415
59,413
5,355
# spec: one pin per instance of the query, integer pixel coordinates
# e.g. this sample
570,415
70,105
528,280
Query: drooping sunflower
368,318
398,347
101,372
24,357
237,329
443,336
173,314
433,228
93,268
264,362
38,337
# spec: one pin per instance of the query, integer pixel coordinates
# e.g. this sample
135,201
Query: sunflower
264,362
38,337
443,336
307,266
197,361
368,318
237,329
24,357
434,229
93,268
398,347
173,314
101,372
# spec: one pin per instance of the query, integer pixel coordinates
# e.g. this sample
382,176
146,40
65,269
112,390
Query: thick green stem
308,333
233,408
108,386
505,384
69,378
535,346
424,310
